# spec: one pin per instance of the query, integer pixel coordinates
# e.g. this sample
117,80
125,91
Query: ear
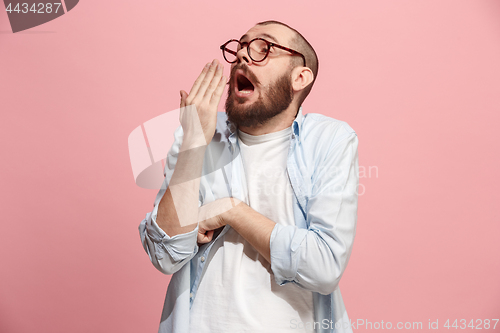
301,78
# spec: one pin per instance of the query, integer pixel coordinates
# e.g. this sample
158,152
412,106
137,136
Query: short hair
300,44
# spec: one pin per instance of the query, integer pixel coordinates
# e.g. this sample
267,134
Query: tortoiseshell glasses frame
257,56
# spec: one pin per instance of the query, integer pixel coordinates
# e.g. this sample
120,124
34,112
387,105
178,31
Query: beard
271,102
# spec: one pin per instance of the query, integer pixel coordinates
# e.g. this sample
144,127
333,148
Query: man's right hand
198,113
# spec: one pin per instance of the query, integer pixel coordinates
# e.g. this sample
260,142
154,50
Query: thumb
184,96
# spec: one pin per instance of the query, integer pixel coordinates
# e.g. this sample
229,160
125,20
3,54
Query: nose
243,56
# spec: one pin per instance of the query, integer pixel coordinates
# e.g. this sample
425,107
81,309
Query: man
257,214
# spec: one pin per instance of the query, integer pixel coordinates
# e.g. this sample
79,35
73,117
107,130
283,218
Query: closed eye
242,45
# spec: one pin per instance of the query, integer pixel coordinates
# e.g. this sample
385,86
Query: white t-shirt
238,292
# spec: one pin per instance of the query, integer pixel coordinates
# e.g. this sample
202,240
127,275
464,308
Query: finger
216,96
205,238
219,69
210,235
214,83
201,237
207,79
199,80
184,96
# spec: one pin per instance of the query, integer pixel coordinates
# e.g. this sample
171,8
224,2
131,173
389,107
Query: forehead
272,32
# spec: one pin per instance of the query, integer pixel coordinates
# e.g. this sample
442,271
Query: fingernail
207,65
219,66
214,61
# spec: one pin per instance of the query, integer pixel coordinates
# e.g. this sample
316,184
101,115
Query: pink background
419,80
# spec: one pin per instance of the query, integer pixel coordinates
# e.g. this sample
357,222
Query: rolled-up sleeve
168,254
315,258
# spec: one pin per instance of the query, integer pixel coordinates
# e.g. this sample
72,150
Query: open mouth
244,86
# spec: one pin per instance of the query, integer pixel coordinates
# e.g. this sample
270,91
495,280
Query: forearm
253,226
178,208
171,241
317,264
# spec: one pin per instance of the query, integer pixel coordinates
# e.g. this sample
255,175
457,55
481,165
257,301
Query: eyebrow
262,35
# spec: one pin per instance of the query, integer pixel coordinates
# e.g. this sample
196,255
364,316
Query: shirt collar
297,123
295,126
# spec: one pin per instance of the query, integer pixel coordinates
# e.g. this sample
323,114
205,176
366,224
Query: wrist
193,141
234,215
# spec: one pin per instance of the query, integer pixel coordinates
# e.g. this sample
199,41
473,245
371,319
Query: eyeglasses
257,49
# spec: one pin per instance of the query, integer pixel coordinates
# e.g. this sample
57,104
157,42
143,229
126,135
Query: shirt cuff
178,247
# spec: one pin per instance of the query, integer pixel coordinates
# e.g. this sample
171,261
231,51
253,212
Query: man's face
258,91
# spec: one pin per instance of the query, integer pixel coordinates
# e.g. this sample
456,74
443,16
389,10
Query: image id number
37,8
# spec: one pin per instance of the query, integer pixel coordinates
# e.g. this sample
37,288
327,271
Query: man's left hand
214,216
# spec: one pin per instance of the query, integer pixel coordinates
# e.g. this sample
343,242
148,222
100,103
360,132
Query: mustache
248,73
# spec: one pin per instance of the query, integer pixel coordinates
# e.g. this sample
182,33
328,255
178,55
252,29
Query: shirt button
202,259
191,295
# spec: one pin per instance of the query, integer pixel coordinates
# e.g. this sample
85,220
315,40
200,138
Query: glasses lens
231,50
258,50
